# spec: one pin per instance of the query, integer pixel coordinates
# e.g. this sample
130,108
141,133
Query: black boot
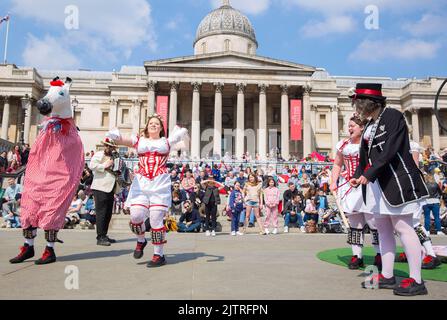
26,252
355,263
430,263
48,257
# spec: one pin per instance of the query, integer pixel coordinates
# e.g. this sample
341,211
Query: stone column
313,118
173,106
415,123
262,131
113,113
151,97
5,120
307,134
27,107
285,119
218,119
195,124
240,122
435,132
334,126
136,116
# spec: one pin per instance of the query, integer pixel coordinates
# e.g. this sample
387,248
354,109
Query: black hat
368,91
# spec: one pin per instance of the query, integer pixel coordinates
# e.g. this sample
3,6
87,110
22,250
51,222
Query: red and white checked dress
53,173
151,187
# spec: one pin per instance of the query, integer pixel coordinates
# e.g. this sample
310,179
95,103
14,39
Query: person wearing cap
393,188
104,188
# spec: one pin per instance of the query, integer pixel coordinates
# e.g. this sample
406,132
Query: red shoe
157,261
402,258
430,262
48,257
26,252
409,287
355,263
139,250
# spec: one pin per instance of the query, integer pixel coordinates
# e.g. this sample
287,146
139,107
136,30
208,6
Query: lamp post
25,101
74,104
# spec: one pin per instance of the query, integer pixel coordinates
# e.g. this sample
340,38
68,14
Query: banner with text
162,110
296,122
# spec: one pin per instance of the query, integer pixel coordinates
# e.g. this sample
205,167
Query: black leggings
211,211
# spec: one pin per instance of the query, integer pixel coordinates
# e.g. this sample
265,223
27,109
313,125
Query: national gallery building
230,99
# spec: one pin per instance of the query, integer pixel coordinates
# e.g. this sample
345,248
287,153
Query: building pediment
228,60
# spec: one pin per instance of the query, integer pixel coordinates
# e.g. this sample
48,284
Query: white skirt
154,193
351,199
376,203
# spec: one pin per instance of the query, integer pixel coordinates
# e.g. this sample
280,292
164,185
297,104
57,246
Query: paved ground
248,267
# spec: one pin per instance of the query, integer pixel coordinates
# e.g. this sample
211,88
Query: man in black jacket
190,219
392,186
211,199
292,213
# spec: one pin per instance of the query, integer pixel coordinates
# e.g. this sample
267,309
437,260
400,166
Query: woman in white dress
150,193
347,157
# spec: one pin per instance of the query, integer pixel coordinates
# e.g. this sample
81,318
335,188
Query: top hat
109,142
368,91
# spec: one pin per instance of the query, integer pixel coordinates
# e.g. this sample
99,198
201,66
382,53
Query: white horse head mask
57,102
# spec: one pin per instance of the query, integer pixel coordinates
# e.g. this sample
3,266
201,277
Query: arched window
227,45
203,47
249,47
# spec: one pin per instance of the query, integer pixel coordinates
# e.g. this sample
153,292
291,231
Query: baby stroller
331,222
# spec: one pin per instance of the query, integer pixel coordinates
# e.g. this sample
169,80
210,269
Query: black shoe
355,263
111,240
48,257
103,242
409,287
26,252
139,250
430,262
157,261
251,225
241,224
383,283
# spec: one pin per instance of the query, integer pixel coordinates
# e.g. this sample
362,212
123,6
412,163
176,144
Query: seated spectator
230,180
174,176
3,162
241,178
196,196
190,219
289,194
10,205
176,207
13,166
202,176
182,193
310,211
88,215
73,215
188,182
293,213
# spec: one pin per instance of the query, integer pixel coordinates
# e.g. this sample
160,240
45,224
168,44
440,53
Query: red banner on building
162,110
296,122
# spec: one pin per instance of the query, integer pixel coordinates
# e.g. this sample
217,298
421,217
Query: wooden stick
340,209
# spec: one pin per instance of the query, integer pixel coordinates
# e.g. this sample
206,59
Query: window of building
77,117
105,119
341,125
249,48
323,124
227,45
204,47
125,119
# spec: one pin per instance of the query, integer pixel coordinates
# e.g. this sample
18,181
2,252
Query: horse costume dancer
150,193
393,187
53,172
351,198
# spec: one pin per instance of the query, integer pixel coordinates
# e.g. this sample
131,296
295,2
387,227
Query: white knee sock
29,242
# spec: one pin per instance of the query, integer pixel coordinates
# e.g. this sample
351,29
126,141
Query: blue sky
410,41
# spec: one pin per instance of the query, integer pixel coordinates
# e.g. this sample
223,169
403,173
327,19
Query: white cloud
112,28
332,25
429,24
396,49
246,6
48,53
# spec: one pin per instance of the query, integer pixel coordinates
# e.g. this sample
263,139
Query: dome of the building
226,21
